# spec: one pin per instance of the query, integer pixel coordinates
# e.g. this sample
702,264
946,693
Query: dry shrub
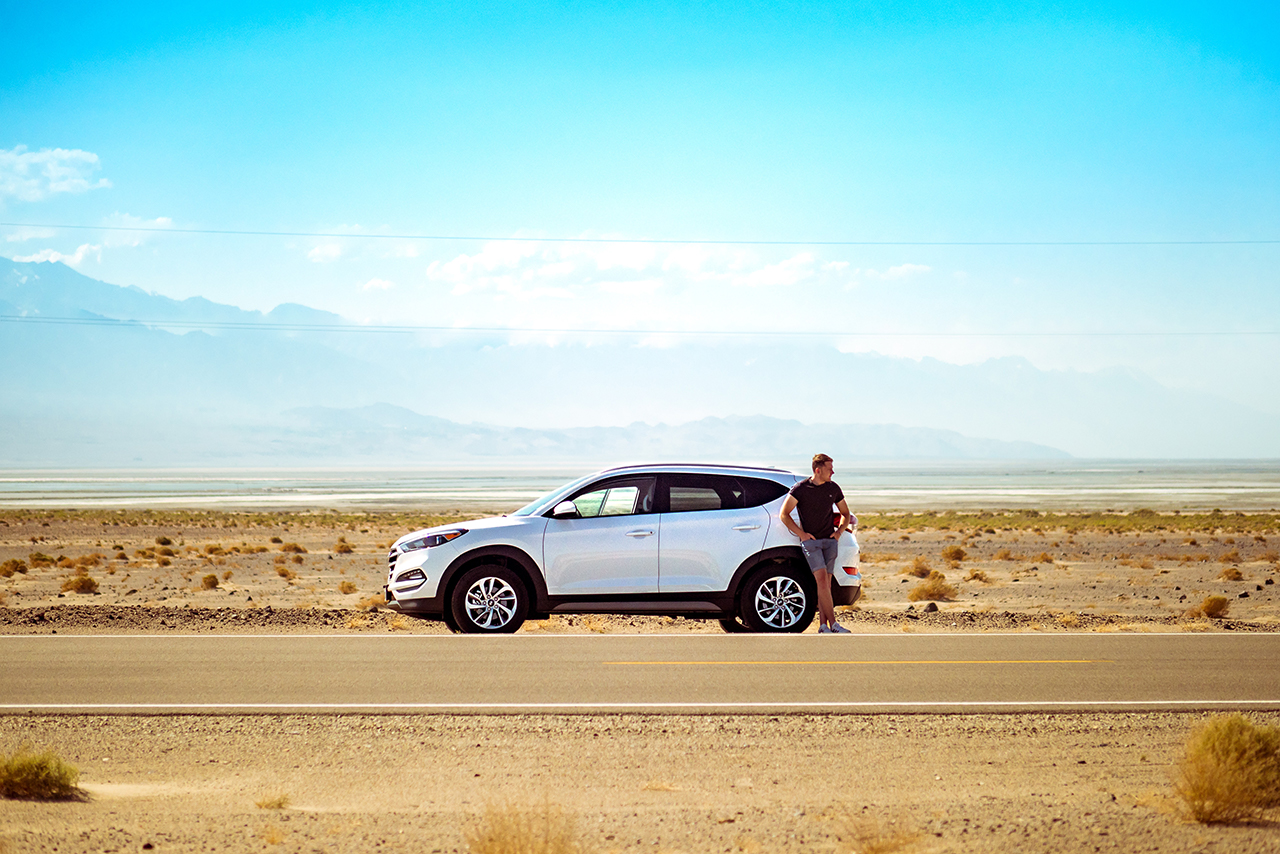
25,775
1270,556
279,559
273,802
919,567
1213,607
277,540
881,557
1005,554
286,573
346,587
934,588
397,622
167,552
1231,573
293,548
226,576
80,583
1043,557
9,567
375,601
1230,771
977,575
954,553
39,560
209,582
342,547
511,829
857,835
297,558
1232,556
1068,620
163,541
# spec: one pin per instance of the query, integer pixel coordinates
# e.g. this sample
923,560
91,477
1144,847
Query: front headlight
432,540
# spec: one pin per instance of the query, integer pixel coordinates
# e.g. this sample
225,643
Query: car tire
489,600
733,627
778,598
449,621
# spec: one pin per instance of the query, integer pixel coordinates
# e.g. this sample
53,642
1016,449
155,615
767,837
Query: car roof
699,468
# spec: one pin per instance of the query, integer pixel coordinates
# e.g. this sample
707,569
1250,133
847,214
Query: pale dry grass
1230,771
857,835
27,775
934,588
1213,607
275,801
920,567
516,829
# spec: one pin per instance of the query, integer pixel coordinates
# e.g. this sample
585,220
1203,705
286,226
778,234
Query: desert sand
417,783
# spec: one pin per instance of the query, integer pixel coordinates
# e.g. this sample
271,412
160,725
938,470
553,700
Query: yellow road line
919,661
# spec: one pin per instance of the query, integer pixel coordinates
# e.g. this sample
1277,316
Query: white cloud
114,239
902,271
28,233
377,285
72,260
31,176
330,250
521,268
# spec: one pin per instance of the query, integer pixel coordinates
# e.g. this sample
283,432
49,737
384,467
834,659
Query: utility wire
271,326
643,240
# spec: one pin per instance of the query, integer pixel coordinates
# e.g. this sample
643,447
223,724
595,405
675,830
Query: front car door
707,531
611,546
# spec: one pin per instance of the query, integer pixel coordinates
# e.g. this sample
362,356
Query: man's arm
789,504
847,519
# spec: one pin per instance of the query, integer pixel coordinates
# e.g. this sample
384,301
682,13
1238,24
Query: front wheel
778,599
489,600
733,627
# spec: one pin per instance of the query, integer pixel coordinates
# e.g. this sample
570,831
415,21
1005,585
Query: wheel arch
512,557
777,554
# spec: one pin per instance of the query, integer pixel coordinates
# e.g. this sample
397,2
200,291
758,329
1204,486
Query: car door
610,546
706,531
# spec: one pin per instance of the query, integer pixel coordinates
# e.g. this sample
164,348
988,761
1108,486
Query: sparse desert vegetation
274,801
44,776
934,588
1230,771
517,829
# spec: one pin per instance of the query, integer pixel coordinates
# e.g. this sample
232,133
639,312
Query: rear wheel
733,627
489,600
779,598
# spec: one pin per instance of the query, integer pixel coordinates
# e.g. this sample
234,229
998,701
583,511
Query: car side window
686,493
620,498
760,491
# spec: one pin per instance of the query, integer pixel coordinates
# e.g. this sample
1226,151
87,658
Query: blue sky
866,122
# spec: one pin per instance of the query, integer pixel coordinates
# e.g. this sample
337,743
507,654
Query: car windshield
552,498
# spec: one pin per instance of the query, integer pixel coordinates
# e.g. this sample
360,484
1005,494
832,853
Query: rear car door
707,530
611,547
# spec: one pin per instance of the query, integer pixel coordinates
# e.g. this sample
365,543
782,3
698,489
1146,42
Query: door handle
745,527
639,534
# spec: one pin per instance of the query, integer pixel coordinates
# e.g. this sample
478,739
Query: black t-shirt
816,505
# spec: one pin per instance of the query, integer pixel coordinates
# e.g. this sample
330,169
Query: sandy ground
837,783
975,783
1017,579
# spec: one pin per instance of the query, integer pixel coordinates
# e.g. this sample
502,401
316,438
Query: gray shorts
821,554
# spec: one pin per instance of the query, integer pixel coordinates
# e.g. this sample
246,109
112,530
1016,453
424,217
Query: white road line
685,636
998,704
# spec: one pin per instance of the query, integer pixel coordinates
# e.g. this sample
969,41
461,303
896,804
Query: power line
271,326
640,240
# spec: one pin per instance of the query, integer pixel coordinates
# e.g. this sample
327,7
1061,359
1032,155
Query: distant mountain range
110,375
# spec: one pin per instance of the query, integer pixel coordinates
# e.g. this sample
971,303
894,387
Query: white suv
700,541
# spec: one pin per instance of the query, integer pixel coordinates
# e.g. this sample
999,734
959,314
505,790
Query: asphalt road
638,673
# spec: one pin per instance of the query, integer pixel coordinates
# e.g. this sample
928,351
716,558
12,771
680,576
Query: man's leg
826,607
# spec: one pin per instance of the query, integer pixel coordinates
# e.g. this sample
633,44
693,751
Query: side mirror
565,510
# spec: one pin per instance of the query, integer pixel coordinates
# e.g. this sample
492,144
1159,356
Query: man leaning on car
818,532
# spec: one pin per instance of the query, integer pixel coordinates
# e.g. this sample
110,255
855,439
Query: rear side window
760,491
686,493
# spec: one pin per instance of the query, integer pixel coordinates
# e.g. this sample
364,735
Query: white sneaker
824,630
838,629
